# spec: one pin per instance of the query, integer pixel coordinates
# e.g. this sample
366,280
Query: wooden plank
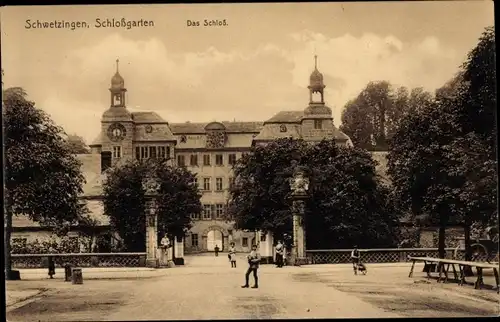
452,261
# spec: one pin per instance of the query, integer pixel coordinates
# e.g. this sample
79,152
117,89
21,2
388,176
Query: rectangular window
180,161
195,216
219,210
232,159
168,153
218,184
219,159
262,237
194,240
194,160
206,184
206,159
244,242
137,153
117,152
144,152
152,152
162,152
317,124
195,181
207,211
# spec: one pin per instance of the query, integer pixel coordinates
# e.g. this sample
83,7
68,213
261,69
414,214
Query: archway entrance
215,238
215,235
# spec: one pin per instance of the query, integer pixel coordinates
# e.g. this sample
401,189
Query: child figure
232,255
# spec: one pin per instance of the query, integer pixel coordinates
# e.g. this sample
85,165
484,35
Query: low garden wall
383,255
80,260
321,256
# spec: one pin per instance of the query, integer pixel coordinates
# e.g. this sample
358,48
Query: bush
65,245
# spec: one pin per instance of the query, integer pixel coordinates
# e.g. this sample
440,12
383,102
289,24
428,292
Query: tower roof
316,78
117,81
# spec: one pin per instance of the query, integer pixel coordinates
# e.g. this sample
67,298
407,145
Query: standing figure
253,266
355,259
165,244
232,255
280,249
216,249
51,264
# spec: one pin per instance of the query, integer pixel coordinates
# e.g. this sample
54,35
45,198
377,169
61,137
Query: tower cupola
117,89
316,84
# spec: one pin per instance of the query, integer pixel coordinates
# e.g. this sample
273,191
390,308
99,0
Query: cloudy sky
249,70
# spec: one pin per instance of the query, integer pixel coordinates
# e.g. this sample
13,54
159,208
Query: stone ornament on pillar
151,188
299,185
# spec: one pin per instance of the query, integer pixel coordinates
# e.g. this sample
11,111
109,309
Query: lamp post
299,185
151,187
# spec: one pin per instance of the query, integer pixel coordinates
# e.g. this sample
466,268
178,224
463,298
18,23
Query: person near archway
216,249
232,255
279,254
165,245
253,266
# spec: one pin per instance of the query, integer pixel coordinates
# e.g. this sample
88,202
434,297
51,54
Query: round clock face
116,132
149,129
216,139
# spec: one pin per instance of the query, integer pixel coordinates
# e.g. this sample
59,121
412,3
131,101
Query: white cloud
250,85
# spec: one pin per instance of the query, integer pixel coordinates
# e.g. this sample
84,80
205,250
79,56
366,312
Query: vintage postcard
250,161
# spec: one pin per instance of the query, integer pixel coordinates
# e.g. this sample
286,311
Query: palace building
207,149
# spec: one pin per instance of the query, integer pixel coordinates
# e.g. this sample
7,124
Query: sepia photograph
250,161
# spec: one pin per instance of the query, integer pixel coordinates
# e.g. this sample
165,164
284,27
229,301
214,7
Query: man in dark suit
253,266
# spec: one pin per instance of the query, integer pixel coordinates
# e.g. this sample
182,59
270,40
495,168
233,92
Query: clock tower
117,127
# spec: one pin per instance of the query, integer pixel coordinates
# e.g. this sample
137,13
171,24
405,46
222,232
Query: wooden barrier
442,263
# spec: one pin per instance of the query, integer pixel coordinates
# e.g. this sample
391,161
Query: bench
444,267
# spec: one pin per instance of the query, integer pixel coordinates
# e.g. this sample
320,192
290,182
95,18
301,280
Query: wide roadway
208,288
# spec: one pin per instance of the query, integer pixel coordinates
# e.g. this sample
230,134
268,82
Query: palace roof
231,127
147,117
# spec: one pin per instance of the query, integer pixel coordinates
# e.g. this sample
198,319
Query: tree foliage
125,200
372,118
76,144
442,158
346,203
42,178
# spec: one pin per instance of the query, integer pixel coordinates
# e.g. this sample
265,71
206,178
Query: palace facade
207,149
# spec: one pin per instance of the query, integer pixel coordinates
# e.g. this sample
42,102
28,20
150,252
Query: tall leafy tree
42,177
346,204
260,199
472,154
125,200
372,118
443,157
179,199
477,109
418,171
